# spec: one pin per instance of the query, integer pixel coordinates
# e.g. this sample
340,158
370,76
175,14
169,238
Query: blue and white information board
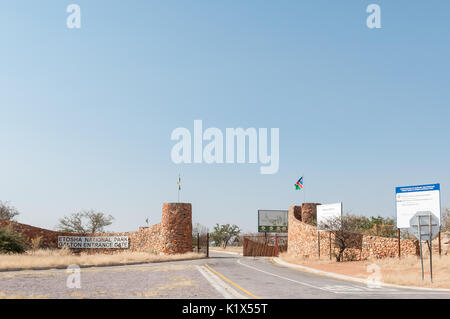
419,198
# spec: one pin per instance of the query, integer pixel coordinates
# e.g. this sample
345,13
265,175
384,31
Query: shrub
11,242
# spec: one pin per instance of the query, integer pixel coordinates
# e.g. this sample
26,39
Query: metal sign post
431,249
207,245
420,246
418,224
276,245
439,235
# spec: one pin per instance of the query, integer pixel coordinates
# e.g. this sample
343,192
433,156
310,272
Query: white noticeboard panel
413,199
327,212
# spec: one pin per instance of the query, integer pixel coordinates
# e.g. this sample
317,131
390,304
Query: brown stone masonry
172,236
303,239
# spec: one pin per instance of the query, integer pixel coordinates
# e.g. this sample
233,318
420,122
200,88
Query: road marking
285,278
386,288
229,281
225,290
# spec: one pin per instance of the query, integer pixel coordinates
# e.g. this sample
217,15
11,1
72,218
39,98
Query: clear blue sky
86,115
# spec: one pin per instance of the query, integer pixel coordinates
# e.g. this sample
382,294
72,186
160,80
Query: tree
222,234
343,228
7,212
87,222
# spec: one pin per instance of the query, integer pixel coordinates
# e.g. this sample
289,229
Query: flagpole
179,187
304,189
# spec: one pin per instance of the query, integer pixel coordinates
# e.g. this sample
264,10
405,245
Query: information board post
431,248
413,199
276,245
198,242
207,245
439,236
420,247
425,226
399,246
327,215
417,207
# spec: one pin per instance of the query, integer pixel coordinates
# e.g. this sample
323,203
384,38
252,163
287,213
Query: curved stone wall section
176,228
172,236
304,239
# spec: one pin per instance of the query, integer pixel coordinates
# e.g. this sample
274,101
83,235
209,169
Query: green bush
11,242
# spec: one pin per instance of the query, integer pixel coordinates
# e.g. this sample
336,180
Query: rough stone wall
173,235
49,237
176,228
303,240
309,212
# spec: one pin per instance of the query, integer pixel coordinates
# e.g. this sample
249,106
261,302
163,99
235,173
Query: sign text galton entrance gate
93,242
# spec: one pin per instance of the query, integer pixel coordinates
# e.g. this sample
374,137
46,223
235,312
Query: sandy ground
403,271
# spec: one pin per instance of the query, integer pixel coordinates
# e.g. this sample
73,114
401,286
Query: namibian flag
299,184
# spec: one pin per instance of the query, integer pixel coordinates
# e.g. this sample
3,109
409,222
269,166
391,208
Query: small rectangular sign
272,221
328,213
81,242
413,199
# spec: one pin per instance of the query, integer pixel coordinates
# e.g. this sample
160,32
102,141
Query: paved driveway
221,276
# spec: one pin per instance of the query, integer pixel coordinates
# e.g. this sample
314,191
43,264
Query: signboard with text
328,216
272,221
413,199
93,242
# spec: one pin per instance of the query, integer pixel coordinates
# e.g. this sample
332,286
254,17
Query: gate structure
269,245
200,243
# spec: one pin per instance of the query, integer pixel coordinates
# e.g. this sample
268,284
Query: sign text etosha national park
93,242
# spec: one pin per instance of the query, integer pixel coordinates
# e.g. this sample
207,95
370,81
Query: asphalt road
221,276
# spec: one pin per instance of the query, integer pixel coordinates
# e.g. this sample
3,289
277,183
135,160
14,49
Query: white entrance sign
327,213
93,242
272,221
419,198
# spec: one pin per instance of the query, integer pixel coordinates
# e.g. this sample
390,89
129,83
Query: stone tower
176,228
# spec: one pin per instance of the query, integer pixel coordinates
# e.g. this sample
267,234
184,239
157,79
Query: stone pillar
309,212
295,211
176,228
294,216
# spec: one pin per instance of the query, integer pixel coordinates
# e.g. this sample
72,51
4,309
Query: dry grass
407,271
233,249
63,257
404,271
